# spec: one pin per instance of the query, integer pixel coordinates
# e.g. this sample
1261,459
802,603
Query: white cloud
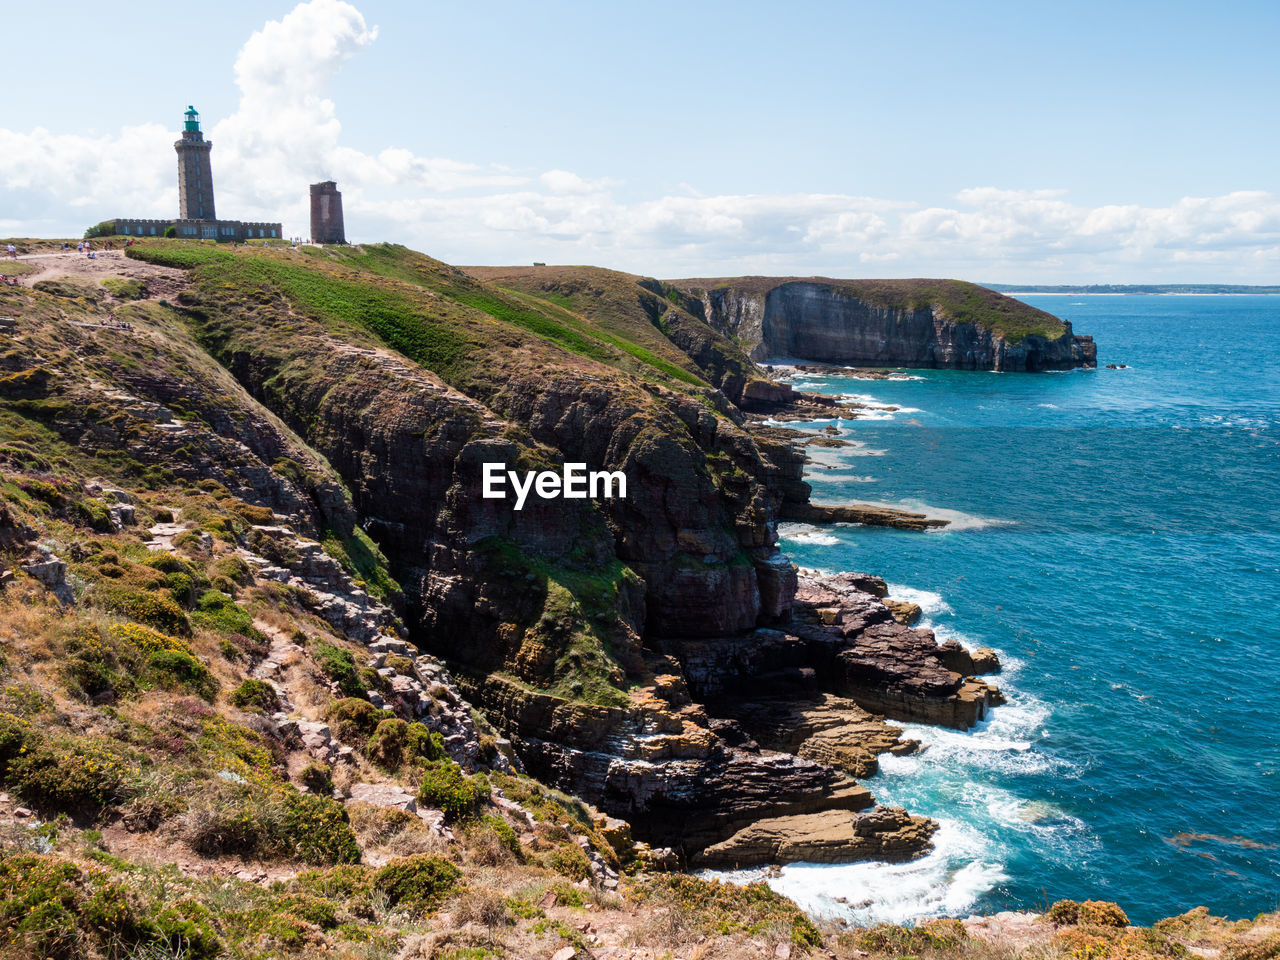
285,133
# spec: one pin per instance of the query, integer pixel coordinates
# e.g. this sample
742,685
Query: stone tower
195,174
326,213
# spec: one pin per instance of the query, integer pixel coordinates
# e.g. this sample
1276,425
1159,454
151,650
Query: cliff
909,323
258,625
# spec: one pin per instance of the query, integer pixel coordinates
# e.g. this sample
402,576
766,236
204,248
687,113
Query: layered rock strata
885,323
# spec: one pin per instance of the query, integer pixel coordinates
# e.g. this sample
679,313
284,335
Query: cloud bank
285,133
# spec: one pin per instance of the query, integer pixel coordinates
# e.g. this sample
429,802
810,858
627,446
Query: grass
571,637
961,302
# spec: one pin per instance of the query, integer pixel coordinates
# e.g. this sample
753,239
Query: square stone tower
195,174
326,213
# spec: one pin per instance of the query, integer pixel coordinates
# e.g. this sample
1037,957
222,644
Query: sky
1018,142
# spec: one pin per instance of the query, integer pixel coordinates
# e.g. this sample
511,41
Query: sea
1115,536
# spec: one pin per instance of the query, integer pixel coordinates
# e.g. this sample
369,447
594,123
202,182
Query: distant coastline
1149,289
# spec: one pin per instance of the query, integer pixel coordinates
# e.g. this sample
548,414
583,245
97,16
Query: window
153,231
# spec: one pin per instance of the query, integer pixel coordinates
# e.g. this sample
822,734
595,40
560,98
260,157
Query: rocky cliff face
838,322
589,632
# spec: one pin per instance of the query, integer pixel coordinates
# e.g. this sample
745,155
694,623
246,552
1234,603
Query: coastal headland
262,623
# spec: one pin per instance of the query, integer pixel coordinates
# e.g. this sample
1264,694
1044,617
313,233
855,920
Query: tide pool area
1115,535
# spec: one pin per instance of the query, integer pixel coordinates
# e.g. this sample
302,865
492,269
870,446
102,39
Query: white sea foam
948,881
894,376
807,533
834,477
931,604
956,519
871,408
1003,743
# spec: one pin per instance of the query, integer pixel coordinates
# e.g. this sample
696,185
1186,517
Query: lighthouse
196,219
195,173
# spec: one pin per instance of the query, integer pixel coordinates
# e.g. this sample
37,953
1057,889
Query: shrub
493,841
708,906
318,778
419,882
320,829
423,743
353,720
234,646
272,819
253,515
50,908
339,666
1064,912
310,908
93,513
38,899
1101,913
255,694
933,936
123,289
170,232
81,779
445,786
387,745
128,656
175,670
347,882
151,609
15,736
568,860
234,569
1266,949
217,611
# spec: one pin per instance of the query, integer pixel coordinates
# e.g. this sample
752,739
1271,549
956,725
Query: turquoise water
1117,539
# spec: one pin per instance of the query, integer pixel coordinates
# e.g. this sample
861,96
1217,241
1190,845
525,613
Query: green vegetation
255,694
1098,913
153,610
445,786
51,907
125,289
359,553
339,666
127,658
354,719
570,622
701,907
961,302
420,882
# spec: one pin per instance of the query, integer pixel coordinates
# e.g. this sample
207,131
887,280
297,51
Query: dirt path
162,282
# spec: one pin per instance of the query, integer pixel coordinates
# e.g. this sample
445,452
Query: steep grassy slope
654,316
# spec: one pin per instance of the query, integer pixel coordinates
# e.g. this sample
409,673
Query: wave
808,534
956,519
872,408
948,881
931,604
837,478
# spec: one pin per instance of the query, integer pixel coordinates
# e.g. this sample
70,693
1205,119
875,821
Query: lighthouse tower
195,174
